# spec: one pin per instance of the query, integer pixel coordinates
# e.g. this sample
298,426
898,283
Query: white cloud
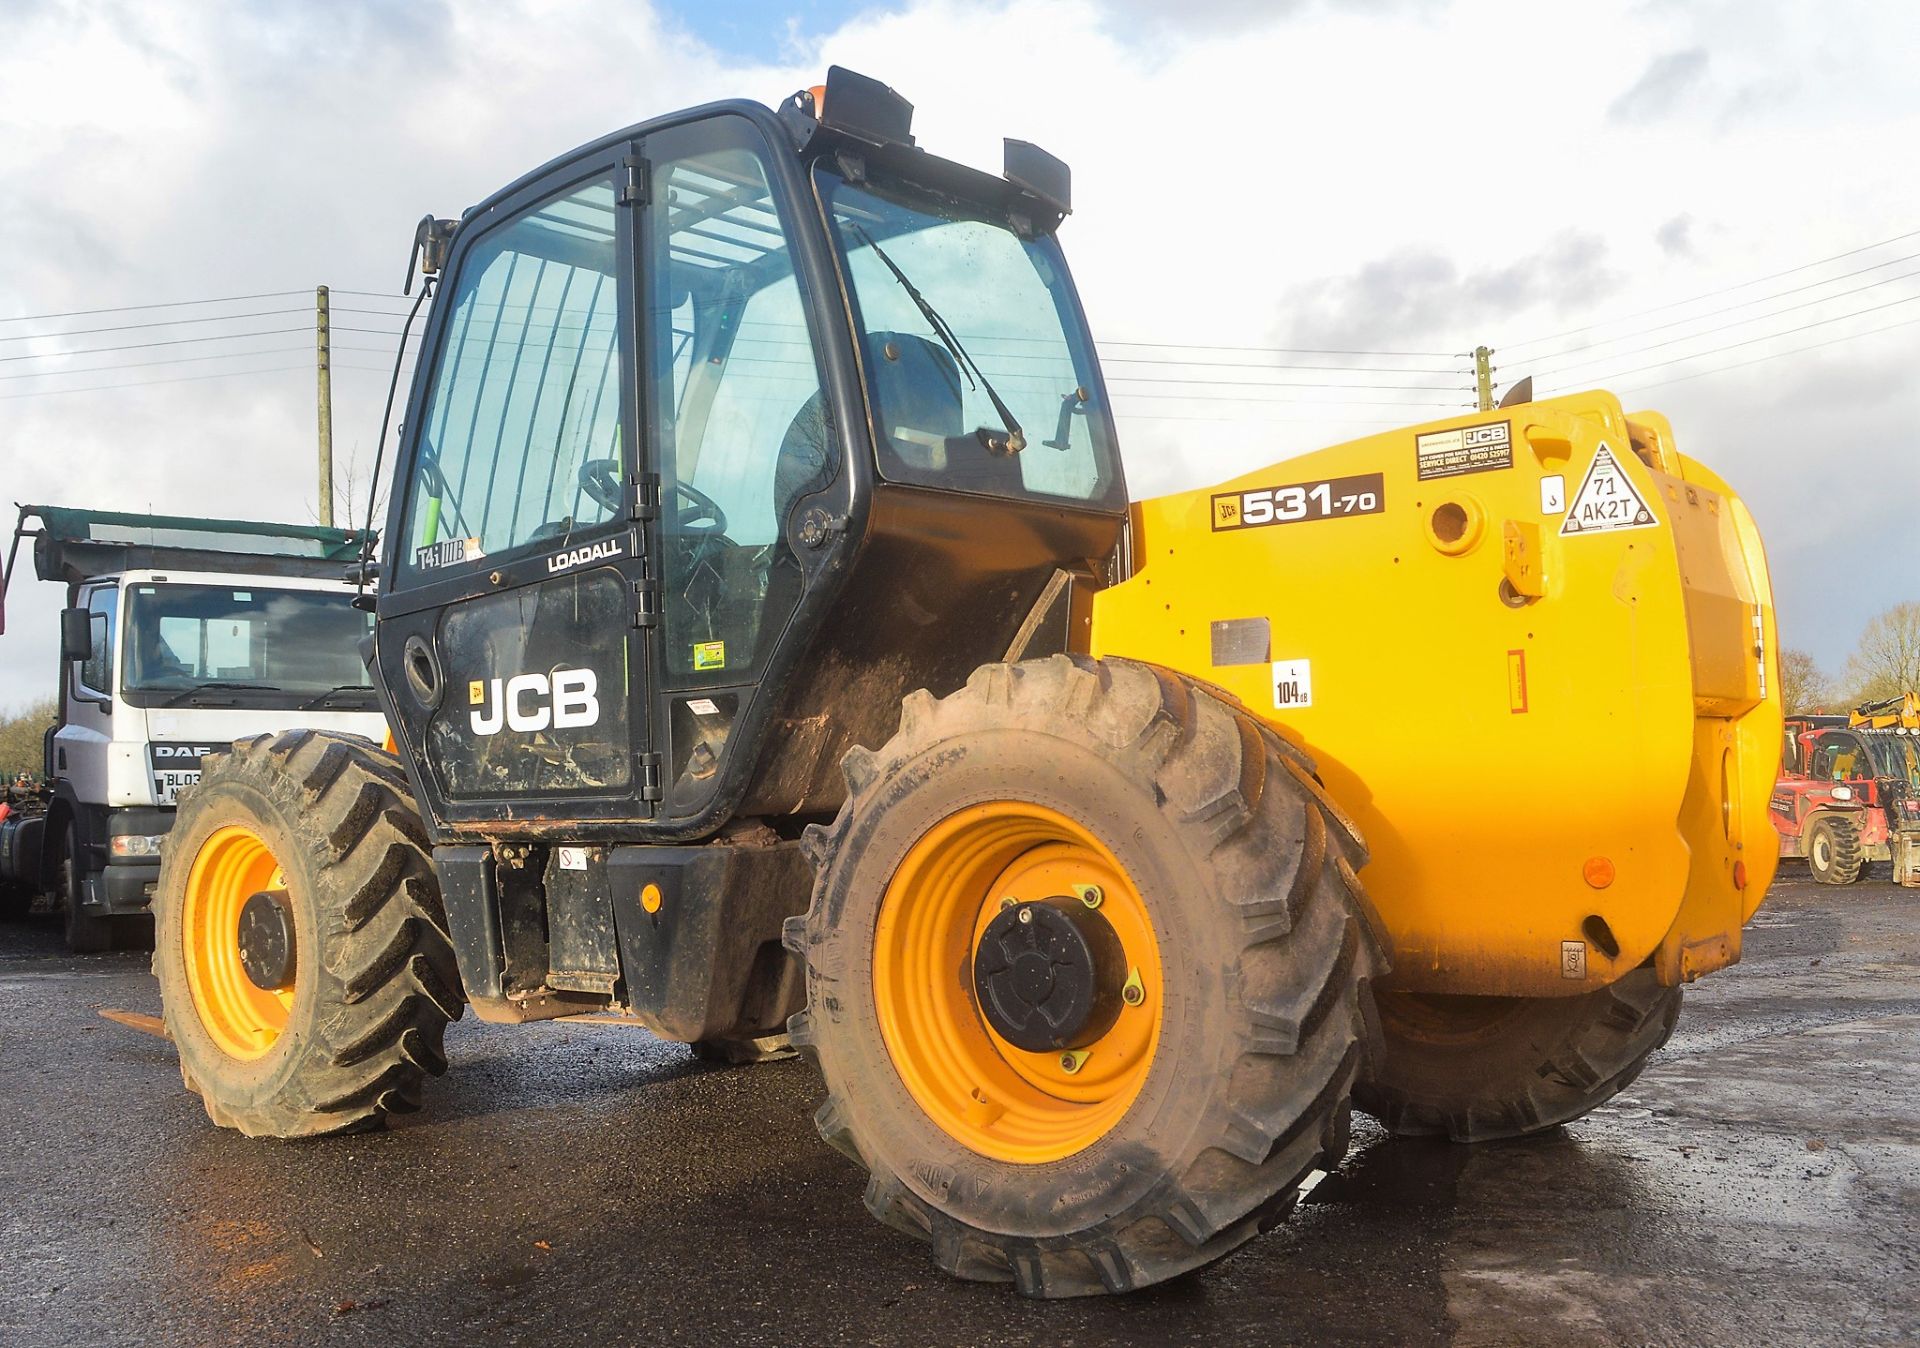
1254,177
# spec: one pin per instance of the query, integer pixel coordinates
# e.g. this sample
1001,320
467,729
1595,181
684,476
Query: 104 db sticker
1329,498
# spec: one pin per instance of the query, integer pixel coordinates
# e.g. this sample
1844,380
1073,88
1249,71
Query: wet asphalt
568,1184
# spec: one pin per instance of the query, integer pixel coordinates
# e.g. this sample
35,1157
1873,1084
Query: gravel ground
572,1183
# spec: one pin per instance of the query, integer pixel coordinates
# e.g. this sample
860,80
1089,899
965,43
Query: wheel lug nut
1072,1060
1089,895
1026,915
1135,991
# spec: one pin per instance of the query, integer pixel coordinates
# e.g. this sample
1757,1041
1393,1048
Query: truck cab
179,637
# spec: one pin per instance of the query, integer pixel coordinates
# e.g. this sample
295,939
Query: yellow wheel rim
987,1094
230,867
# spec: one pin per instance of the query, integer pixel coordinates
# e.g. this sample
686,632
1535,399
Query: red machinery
1849,791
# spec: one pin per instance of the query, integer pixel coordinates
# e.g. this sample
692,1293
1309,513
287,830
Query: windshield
965,327
249,644
1895,756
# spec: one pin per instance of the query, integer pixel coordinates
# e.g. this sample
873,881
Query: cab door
81,744
516,584
737,430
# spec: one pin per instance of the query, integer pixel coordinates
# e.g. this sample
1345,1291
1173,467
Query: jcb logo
564,700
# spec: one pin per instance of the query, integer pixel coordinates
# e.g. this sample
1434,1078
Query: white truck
180,635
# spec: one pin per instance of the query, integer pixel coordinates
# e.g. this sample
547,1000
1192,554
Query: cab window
520,443
1839,758
737,418
96,671
969,334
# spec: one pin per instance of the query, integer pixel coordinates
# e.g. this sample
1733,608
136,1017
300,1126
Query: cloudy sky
1699,205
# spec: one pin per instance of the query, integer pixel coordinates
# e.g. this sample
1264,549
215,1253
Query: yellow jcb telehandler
745,438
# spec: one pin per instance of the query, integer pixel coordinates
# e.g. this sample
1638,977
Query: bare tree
1804,688
20,739
1887,661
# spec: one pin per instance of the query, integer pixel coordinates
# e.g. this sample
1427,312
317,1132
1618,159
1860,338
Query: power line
1304,402
1272,365
1760,299
1734,346
1728,327
1276,383
149,383
169,360
177,341
1714,294
1774,355
136,327
188,360
136,308
183,379
1262,421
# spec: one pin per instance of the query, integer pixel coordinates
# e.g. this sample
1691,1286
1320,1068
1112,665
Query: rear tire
1479,1068
1833,851
1203,821
356,1027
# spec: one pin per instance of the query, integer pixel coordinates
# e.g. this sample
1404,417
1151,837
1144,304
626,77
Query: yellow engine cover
1533,653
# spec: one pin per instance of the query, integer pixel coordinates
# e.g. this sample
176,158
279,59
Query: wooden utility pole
324,340
1483,377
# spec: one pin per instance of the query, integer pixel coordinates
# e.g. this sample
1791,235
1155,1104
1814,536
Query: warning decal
1292,683
1607,500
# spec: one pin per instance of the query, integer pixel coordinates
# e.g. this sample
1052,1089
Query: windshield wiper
333,692
185,693
1015,439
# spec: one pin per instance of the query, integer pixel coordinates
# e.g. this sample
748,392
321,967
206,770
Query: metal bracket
646,602
633,192
646,497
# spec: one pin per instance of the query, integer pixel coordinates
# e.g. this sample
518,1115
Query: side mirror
76,634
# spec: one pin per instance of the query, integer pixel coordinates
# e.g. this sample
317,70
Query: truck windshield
965,325
257,645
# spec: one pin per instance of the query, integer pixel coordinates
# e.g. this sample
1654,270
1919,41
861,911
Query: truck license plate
168,785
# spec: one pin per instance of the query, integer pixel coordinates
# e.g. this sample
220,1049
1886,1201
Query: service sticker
709,655
1464,449
1292,684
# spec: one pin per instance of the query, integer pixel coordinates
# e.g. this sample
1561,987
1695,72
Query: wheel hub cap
266,940
1049,974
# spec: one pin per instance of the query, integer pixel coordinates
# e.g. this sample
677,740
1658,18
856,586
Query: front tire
327,1014
1833,851
1479,1068
1225,879
86,933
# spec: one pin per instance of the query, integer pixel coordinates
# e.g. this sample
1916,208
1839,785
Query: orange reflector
1598,871
1739,875
650,898
388,743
